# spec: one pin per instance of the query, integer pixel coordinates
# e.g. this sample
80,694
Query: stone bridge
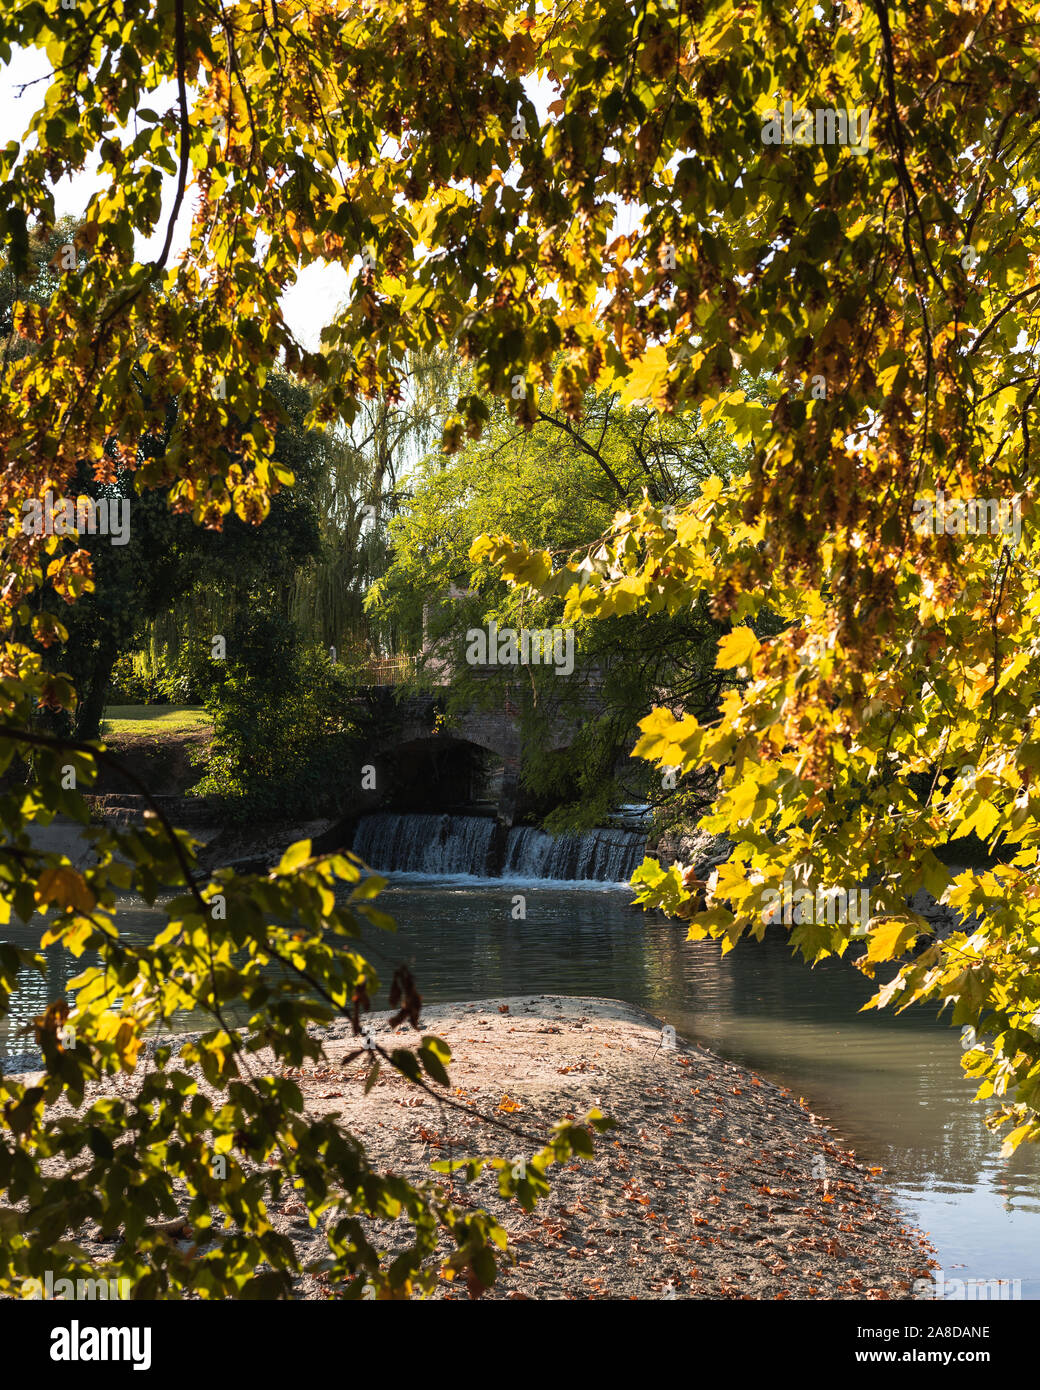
471,757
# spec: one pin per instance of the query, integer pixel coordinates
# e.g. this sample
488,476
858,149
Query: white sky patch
312,302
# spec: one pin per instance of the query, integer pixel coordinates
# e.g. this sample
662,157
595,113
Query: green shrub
282,718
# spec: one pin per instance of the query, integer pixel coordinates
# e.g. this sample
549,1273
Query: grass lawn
155,720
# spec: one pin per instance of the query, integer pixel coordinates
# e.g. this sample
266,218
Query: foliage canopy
402,140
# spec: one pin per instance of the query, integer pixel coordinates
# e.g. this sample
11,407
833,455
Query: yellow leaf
1015,1138
742,798
891,939
646,377
982,821
65,887
294,856
736,648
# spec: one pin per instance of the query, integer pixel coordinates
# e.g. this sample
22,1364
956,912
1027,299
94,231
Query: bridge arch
424,757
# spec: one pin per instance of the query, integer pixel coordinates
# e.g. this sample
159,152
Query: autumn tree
671,223
885,514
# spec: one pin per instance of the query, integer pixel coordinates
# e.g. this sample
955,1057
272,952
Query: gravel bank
716,1183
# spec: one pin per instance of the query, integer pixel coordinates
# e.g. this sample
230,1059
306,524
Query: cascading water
602,856
442,844
426,844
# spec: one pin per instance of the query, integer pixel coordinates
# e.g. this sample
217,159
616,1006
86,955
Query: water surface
890,1085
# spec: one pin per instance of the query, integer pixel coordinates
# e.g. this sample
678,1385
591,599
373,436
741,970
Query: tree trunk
92,700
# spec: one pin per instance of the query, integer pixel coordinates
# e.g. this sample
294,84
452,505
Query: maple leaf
65,887
736,648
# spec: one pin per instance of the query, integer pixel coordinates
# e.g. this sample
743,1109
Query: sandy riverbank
716,1184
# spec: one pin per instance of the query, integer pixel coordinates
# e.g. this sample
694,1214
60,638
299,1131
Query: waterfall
602,856
426,844
442,844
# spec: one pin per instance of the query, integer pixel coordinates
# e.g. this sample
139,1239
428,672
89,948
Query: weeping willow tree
331,544
365,482
205,610
243,567
326,598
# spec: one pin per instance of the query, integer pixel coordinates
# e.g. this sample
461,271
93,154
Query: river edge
717,1183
